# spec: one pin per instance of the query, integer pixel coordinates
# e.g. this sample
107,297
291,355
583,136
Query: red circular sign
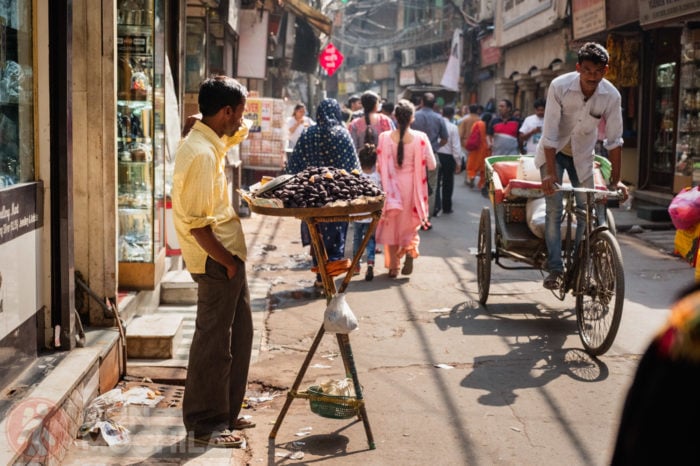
37,429
330,59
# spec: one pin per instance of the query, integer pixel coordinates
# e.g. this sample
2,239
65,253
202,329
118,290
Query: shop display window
195,66
687,165
663,129
665,113
204,48
140,141
16,93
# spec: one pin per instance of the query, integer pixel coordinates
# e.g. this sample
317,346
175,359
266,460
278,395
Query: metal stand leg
349,361
343,339
300,376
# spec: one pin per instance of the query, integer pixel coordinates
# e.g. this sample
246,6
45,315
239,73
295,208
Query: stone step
654,213
154,336
177,287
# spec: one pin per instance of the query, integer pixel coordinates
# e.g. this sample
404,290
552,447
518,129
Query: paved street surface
445,380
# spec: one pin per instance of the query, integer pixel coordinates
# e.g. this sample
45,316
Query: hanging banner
588,17
654,11
490,54
407,77
450,79
252,46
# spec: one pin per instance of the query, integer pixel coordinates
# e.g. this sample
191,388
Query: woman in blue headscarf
326,144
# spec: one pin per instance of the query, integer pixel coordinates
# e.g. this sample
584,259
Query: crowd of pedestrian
455,142
341,136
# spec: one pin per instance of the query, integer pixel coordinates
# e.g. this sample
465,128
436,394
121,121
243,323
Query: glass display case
687,166
663,124
16,95
140,143
663,109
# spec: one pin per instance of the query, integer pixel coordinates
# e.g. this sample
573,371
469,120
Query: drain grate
172,394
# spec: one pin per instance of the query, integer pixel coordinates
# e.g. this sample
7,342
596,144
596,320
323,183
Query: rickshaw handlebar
598,193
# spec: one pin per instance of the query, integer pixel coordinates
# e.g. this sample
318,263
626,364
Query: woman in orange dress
476,157
403,155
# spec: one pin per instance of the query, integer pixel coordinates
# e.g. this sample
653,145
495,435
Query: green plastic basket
332,406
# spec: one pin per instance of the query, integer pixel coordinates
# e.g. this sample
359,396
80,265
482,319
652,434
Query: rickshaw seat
520,179
503,172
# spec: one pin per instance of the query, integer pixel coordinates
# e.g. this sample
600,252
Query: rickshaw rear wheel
484,256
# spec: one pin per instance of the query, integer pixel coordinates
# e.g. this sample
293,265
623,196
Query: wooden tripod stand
357,404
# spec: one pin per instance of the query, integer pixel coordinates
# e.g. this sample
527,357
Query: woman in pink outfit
403,155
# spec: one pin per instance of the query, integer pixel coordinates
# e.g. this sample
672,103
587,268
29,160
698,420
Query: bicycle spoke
599,305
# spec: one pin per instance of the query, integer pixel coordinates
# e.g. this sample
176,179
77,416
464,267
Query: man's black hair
539,103
594,52
352,99
473,108
218,92
428,99
448,111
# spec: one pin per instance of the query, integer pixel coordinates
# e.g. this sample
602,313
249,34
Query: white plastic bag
338,317
343,387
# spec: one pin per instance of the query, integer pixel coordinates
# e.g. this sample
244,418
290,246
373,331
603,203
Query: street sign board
330,59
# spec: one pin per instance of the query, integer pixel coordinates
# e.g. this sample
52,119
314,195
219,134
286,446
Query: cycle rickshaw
593,269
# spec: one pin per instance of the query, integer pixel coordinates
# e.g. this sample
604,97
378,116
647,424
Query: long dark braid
404,113
369,101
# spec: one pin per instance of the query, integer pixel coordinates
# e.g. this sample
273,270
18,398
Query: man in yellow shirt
214,250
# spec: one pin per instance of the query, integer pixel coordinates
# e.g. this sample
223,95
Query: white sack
535,211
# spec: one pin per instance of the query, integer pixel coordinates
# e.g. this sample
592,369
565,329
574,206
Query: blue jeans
360,230
554,209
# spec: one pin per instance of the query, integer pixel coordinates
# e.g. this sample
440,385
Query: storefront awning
315,18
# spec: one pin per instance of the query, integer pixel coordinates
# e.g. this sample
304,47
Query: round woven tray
318,211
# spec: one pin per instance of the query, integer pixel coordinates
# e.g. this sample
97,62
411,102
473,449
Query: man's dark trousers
446,182
217,372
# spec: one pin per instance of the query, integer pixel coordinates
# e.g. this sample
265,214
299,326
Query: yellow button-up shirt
200,196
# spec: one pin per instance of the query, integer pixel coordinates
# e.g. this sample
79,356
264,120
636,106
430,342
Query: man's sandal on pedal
553,280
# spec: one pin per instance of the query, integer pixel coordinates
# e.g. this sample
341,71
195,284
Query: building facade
91,100
653,64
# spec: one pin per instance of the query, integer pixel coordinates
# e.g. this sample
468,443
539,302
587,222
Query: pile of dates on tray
325,186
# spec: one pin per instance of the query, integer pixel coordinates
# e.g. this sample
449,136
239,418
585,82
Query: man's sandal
223,439
242,423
